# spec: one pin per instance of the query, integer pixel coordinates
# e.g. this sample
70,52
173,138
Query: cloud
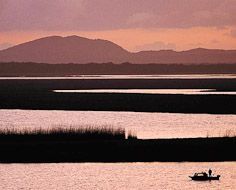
5,45
156,46
215,41
82,15
138,19
23,15
233,33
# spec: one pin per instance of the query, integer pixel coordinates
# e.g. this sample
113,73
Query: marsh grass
229,133
102,144
225,133
65,133
131,135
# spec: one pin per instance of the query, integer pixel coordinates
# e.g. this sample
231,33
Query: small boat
204,177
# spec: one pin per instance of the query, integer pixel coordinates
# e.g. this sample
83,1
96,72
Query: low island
107,145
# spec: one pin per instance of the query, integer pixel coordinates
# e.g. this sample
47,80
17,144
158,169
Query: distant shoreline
15,69
161,150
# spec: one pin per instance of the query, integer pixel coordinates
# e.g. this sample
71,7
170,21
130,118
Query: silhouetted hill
72,49
75,49
196,56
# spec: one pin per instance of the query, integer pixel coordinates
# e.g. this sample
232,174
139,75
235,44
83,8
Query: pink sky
134,24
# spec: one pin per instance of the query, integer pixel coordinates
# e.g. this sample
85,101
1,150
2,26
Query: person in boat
209,172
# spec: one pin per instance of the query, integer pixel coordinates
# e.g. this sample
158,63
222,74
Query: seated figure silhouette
209,172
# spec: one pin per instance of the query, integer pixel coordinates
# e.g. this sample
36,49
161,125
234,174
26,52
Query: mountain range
75,49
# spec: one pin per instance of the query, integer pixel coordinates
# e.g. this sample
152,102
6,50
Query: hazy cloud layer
156,46
63,15
233,33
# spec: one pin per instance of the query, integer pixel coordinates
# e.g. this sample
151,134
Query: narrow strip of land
129,150
15,69
39,95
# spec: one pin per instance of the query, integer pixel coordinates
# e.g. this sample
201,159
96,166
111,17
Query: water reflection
147,125
151,91
193,76
114,176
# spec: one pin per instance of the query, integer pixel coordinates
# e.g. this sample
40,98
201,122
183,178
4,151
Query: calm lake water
143,176
193,76
152,91
146,125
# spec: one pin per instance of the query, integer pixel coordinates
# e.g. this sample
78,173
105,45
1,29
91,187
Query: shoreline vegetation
19,69
61,133
107,145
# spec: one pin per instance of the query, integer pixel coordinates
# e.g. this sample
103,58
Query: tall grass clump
62,133
229,133
131,135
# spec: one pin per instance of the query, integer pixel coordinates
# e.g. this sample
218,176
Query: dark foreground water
115,176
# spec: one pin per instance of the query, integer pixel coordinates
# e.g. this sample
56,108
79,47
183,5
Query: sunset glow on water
192,76
151,91
146,125
156,175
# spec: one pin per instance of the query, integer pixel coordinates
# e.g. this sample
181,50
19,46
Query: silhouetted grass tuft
62,133
132,135
230,133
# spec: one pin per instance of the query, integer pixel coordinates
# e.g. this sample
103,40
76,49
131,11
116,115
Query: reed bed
226,133
230,133
65,133
132,135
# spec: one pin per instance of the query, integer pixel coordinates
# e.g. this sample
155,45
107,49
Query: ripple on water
115,176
